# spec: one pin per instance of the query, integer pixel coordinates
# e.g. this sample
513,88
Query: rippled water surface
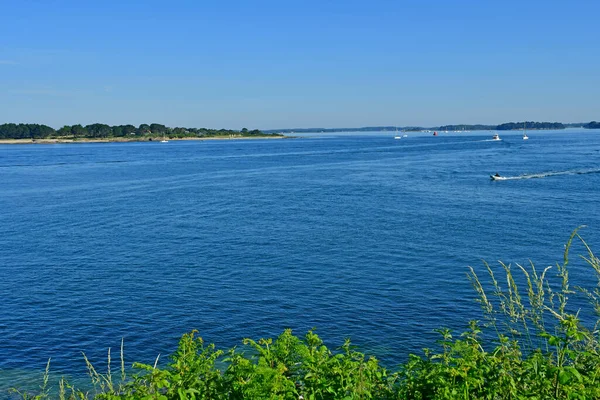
359,236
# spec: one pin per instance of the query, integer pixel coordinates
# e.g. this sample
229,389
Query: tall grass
534,346
530,344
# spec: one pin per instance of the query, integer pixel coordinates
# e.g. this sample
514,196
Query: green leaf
564,377
573,372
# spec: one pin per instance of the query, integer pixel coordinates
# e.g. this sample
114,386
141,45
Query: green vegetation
103,131
508,126
465,127
529,125
530,345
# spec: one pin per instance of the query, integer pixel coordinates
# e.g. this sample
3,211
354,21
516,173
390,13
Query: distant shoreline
127,140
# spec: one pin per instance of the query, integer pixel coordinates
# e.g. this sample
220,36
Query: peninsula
39,133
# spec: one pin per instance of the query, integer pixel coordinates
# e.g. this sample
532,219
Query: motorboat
496,137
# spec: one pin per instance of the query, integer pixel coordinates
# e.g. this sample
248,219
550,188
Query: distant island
508,126
103,132
529,125
593,125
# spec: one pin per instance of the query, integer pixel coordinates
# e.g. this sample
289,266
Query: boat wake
549,174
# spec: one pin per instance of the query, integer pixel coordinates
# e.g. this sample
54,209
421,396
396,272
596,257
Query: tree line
509,126
517,125
592,125
464,127
100,131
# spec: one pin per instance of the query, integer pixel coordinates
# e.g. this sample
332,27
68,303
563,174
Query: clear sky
311,63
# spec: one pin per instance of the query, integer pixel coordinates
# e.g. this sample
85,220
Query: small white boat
398,136
496,137
164,141
497,177
525,137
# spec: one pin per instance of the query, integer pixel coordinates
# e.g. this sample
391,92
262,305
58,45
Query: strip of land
125,140
102,133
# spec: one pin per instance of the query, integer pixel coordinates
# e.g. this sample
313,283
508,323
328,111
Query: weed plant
528,345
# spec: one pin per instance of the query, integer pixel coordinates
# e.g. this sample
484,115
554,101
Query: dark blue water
364,237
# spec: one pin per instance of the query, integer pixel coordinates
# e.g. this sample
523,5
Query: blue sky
286,64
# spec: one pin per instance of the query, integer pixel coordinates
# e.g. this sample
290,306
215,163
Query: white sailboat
397,135
525,137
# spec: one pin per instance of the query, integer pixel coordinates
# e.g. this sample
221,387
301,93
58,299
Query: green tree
8,131
78,131
143,129
158,129
128,130
37,131
99,130
64,131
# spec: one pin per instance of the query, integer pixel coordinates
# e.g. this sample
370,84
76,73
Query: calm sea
358,236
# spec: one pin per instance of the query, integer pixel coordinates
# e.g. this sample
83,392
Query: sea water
356,235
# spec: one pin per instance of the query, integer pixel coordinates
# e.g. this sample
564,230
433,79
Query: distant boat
434,133
496,137
497,177
525,137
397,135
164,141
